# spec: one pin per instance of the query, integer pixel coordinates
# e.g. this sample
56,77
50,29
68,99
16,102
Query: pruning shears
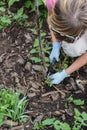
50,68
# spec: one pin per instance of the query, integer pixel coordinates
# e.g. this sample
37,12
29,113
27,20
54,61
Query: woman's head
69,17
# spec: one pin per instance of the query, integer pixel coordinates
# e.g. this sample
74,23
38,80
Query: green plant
31,4
2,3
20,16
36,50
58,125
4,18
7,18
80,120
48,82
4,21
11,2
11,106
77,102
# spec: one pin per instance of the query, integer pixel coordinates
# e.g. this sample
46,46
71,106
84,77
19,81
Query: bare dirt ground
17,71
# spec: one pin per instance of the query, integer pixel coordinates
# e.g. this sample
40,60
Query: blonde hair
69,17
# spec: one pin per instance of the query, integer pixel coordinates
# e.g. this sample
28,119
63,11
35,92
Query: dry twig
42,55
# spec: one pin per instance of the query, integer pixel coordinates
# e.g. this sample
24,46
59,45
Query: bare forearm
81,61
53,37
52,34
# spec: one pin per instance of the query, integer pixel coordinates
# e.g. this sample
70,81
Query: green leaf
28,4
11,2
40,2
33,30
48,121
33,51
77,113
19,14
2,3
47,59
20,11
36,59
57,127
12,106
61,126
36,43
65,65
70,99
2,9
84,115
24,16
44,1
5,19
43,34
57,122
65,126
78,102
75,128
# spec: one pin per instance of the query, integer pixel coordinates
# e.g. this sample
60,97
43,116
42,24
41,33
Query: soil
17,71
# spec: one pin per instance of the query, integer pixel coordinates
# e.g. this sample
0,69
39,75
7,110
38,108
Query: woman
67,20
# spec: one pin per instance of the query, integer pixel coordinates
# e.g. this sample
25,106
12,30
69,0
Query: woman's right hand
55,51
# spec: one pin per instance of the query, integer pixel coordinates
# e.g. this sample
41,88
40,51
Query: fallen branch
59,90
49,93
39,37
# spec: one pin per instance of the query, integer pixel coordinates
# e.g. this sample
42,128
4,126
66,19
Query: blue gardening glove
58,77
55,51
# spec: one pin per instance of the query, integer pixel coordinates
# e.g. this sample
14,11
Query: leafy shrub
11,106
7,17
58,125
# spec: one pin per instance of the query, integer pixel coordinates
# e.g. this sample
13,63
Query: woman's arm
81,61
55,52
60,76
52,34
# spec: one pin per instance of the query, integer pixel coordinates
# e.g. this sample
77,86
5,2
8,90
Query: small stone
28,66
21,61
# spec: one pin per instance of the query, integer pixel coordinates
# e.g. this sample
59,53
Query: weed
11,2
11,106
20,17
36,50
58,125
77,102
80,120
48,82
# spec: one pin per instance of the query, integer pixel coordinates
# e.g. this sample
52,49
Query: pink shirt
50,4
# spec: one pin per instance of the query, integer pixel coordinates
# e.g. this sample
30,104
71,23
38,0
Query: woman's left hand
58,77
